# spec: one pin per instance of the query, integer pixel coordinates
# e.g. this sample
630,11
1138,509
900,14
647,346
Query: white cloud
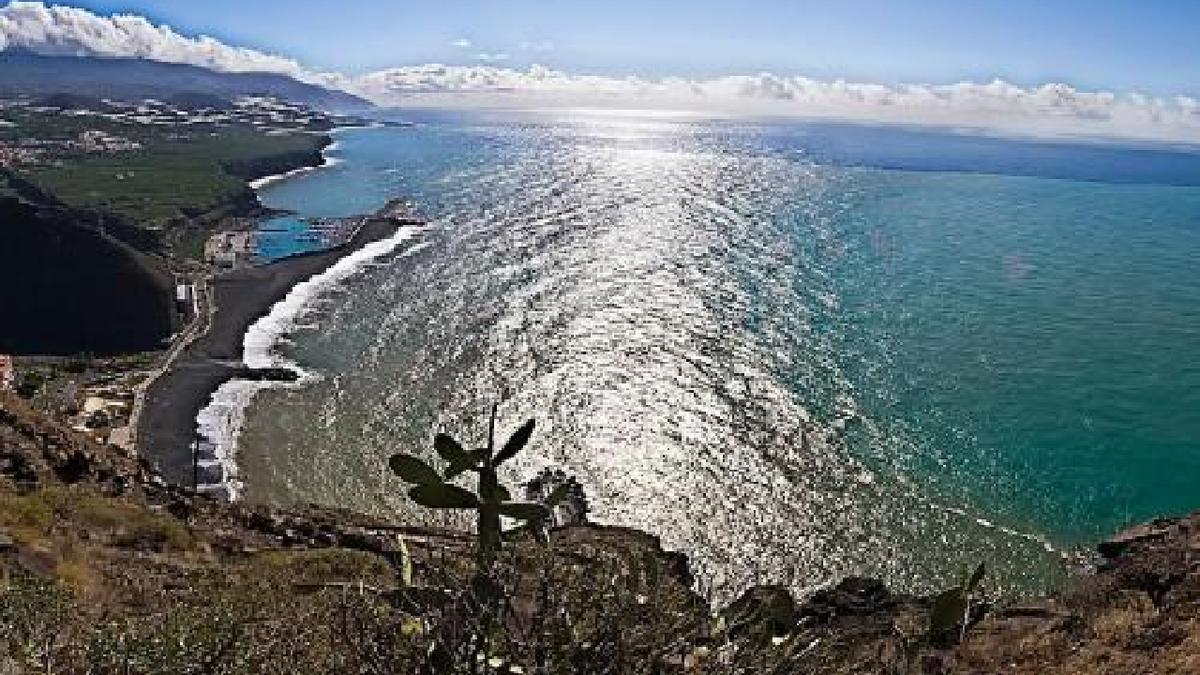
1047,109
70,31
1056,109
490,57
461,43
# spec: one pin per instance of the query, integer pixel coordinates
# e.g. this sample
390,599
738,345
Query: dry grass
130,525
25,517
315,566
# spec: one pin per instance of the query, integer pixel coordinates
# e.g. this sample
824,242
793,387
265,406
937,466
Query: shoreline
167,423
211,352
220,422
199,325
326,162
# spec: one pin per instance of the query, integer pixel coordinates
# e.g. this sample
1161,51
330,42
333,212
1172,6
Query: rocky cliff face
1139,612
68,285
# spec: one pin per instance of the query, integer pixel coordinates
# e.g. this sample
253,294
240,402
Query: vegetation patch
171,177
150,174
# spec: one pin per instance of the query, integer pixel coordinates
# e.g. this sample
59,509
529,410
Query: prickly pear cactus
491,500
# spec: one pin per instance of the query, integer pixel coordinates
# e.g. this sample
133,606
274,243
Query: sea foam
326,162
220,422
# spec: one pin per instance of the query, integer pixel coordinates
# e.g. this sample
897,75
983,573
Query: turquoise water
285,236
793,351
1038,335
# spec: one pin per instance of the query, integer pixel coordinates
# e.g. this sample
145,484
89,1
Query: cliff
72,286
280,162
109,568
120,229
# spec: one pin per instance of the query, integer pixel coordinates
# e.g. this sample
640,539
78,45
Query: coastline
224,355
200,323
167,425
326,162
258,182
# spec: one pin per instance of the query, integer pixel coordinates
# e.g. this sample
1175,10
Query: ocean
795,351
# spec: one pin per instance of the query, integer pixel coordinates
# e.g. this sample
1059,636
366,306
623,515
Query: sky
1102,68
1146,45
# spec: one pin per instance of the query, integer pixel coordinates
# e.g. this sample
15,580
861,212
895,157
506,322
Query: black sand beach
167,424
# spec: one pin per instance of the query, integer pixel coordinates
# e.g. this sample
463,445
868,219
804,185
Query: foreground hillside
104,567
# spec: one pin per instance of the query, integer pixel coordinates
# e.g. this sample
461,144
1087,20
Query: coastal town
20,116
31,150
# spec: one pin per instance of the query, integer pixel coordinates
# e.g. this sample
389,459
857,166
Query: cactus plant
491,500
952,608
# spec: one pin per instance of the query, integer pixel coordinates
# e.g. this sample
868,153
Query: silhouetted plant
491,500
952,607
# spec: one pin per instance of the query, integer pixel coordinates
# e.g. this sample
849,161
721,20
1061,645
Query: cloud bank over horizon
1048,109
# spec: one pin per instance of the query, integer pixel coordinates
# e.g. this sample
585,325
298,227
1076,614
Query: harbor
277,238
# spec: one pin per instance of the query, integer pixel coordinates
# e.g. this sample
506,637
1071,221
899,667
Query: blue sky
1151,45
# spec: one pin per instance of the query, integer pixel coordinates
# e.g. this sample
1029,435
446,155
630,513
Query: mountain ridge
24,73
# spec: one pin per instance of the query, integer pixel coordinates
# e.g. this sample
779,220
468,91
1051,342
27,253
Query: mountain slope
72,287
23,73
